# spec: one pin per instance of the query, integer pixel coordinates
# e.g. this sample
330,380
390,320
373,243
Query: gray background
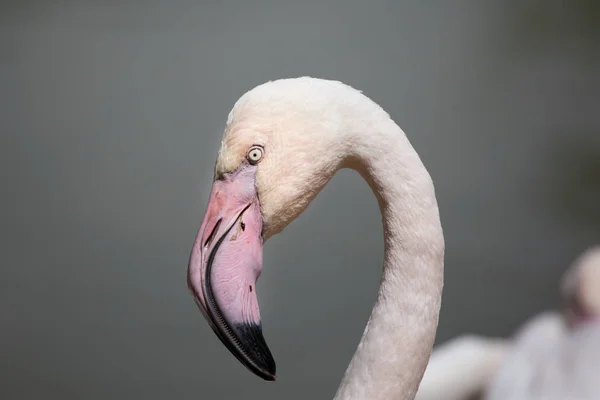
112,114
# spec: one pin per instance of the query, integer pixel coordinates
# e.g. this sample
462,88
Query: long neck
394,350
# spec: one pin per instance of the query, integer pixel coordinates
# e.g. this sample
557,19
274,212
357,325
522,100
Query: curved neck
394,350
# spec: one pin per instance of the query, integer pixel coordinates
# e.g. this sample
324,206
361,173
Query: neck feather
395,347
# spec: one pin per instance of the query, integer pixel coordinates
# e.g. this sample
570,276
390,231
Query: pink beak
226,262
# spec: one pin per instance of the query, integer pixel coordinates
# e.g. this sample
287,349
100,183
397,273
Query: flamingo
552,356
283,141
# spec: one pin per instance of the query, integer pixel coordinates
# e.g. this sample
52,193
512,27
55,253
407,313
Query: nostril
212,233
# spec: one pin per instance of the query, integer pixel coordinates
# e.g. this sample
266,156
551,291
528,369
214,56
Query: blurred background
112,114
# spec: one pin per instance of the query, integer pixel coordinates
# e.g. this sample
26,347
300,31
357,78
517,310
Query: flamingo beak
226,262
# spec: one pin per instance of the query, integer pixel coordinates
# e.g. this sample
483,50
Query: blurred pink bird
554,356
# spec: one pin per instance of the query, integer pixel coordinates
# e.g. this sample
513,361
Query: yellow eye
255,154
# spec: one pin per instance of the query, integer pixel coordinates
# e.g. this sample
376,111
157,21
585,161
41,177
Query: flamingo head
280,147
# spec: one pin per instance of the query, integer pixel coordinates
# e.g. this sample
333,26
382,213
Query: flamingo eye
255,154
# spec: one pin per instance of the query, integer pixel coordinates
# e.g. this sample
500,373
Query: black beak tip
270,371
259,358
271,378
265,372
